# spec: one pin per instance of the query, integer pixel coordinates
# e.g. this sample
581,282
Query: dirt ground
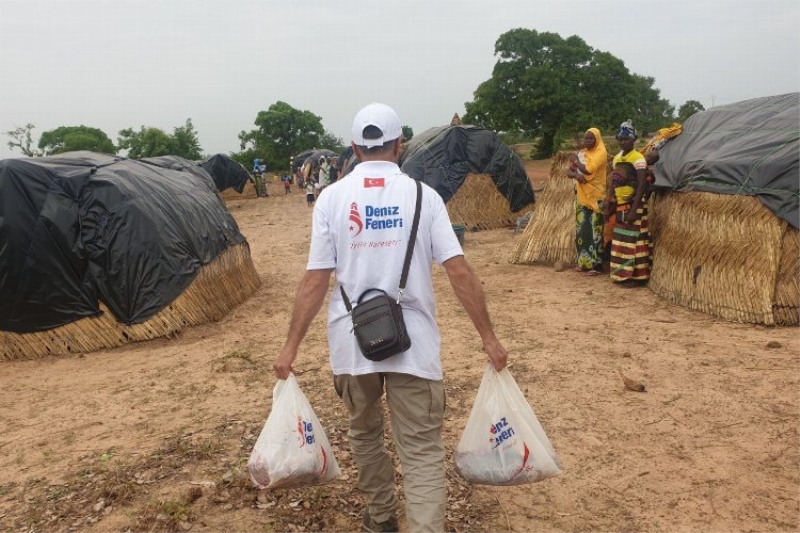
155,436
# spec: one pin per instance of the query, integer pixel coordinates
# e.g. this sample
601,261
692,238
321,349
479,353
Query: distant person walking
259,178
287,183
310,196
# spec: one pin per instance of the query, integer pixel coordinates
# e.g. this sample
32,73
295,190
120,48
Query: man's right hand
283,363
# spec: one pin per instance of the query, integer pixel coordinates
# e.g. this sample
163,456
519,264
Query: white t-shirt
361,228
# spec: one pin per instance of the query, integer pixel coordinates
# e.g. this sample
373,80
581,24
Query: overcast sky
115,64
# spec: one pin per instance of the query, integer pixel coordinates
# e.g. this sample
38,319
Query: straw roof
249,191
478,203
221,285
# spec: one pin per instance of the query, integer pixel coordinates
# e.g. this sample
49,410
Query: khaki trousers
416,408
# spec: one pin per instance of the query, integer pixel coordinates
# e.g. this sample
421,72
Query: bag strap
411,241
409,252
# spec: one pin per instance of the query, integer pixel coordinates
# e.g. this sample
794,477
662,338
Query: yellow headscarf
594,189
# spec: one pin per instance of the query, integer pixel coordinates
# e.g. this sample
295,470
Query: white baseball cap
382,117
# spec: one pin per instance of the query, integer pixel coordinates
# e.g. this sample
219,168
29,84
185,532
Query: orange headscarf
594,189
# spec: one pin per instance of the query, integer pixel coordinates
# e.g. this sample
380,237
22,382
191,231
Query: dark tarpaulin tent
746,148
312,156
82,227
180,164
224,172
443,156
299,159
311,162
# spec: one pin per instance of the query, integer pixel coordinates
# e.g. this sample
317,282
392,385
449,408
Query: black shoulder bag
378,321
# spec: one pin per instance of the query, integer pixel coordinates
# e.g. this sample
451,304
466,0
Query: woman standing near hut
588,169
630,244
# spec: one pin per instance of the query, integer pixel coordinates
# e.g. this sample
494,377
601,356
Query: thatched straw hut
100,250
725,255
221,285
478,204
482,181
723,220
550,234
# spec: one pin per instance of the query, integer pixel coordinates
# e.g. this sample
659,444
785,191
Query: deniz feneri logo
375,218
355,220
500,431
306,431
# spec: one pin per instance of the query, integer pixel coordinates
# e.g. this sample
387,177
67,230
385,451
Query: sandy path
712,445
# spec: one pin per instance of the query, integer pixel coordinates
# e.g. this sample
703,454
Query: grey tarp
82,227
442,157
750,148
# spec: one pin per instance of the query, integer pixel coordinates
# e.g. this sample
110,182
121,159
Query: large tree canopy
283,131
549,87
73,138
154,142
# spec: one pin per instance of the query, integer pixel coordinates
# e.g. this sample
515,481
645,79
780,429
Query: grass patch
236,361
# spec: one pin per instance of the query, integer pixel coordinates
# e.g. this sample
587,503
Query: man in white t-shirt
360,232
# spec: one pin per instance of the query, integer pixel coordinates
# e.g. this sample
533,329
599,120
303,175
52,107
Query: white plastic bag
292,449
504,443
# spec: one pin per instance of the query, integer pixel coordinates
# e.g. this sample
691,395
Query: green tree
408,133
688,109
650,111
22,138
185,142
147,142
154,142
282,131
331,142
71,138
551,88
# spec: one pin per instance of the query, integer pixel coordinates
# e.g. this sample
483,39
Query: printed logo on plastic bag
504,443
292,449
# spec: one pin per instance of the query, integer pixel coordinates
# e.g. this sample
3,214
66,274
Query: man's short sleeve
444,242
322,254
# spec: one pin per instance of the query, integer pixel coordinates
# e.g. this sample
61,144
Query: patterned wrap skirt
630,246
588,237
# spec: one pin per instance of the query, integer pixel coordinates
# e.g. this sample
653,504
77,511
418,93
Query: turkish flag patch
373,182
